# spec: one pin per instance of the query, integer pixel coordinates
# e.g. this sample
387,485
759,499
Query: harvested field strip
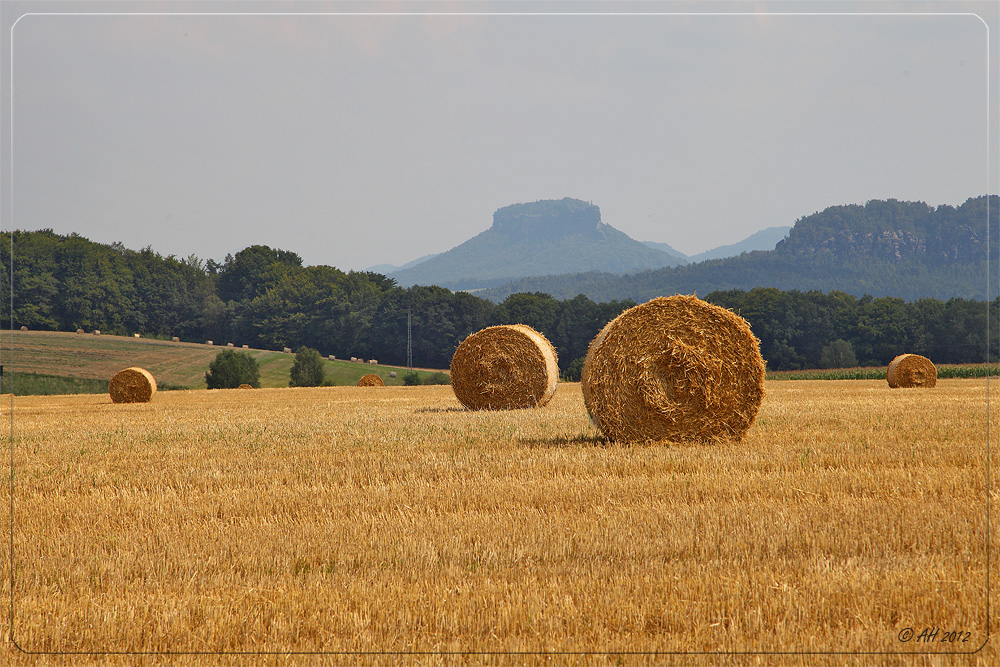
341,519
174,365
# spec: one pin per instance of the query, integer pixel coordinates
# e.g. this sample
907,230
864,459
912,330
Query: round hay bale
911,370
79,331
132,385
176,339
371,380
675,368
245,386
392,374
505,367
24,328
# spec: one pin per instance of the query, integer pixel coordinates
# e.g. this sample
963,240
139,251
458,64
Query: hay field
302,522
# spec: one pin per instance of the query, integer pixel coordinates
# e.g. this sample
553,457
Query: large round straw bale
675,368
911,370
132,385
245,386
504,367
371,380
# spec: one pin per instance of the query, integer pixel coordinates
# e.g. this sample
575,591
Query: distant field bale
79,331
675,368
230,345
208,342
353,359
332,357
287,350
97,332
246,347
135,335
132,385
245,386
505,367
24,328
371,380
373,362
911,370
392,374
176,339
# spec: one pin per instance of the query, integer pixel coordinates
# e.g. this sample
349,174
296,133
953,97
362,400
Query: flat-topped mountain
548,237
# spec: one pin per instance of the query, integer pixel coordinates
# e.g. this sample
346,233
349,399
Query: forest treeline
267,299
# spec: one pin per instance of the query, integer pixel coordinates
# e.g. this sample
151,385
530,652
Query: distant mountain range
882,248
551,237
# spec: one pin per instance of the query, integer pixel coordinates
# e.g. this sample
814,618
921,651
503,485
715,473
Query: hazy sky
355,140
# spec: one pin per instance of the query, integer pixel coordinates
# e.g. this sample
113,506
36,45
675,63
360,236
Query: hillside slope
177,365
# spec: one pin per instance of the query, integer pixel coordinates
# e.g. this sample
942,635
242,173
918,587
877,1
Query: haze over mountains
551,237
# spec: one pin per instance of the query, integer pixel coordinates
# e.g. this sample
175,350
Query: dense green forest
884,248
266,298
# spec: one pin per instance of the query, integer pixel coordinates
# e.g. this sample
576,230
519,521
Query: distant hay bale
79,331
505,367
176,339
245,386
24,328
675,368
208,342
230,345
373,362
353,359
332,357
371,380
135,335
911,370
246,347
287,350
392,374
132,385
97,332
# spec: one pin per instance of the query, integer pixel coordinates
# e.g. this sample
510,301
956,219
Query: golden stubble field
390,526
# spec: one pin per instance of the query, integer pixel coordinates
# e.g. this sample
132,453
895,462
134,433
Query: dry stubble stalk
503,368
675,368
911,370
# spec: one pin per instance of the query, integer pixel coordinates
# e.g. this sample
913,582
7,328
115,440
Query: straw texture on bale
911,370
132,385
505,367
675,368
371,380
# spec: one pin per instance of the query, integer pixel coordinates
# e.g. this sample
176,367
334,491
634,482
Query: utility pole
409,340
